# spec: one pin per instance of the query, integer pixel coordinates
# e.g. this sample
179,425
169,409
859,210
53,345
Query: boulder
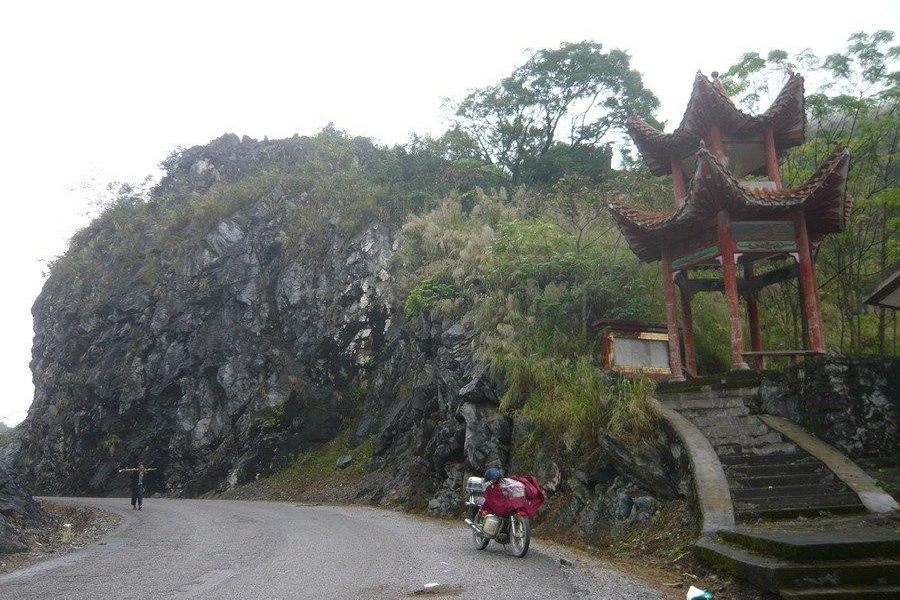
640,463
486,435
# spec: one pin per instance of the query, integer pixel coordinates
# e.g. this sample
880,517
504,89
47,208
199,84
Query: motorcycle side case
475,485
491,525
475,488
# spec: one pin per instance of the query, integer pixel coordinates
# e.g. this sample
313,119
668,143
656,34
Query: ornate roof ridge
709,102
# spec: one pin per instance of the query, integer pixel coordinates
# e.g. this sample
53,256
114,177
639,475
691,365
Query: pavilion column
772,170
809,290
729,272
690,350
671,315
678,182
753,320
804,324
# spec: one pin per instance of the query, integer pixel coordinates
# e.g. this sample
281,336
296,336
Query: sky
94,92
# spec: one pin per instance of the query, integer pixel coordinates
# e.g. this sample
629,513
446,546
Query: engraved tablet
641,353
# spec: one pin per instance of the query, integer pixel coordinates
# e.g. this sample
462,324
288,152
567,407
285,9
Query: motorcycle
507,519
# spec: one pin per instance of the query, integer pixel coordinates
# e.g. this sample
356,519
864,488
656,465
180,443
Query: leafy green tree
576,91
856,106
588,161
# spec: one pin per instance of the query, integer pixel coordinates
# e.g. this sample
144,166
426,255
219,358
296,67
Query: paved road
224,550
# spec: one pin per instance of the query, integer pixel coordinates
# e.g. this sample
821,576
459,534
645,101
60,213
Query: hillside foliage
502,217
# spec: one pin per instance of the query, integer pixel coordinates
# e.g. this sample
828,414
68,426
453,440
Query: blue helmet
493,474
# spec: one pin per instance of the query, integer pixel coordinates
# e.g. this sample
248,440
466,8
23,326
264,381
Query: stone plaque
649,352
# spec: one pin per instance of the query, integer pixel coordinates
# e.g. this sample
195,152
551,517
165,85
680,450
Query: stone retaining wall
850,402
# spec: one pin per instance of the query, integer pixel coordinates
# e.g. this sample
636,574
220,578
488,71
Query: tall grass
571,398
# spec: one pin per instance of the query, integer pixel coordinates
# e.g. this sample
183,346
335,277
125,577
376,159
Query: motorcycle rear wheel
519,535
480,541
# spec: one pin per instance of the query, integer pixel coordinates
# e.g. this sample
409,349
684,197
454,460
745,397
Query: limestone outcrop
244,347
220,356
17,510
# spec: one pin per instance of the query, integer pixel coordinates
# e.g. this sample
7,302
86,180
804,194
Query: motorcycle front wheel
480,541
519,535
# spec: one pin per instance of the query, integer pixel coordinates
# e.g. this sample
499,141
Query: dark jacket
136,484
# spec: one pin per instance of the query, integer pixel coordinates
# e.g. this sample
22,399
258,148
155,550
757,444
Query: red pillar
726,249
671,315
678,182
717,143
808,287
690,350
772,170
753,320
804,323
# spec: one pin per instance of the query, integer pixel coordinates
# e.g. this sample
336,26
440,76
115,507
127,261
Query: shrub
423,296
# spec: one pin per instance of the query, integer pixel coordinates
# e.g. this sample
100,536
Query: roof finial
717,83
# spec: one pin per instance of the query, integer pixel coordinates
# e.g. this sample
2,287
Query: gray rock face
428,433
219,360
244,346
852,403
642,464
17,508
229,364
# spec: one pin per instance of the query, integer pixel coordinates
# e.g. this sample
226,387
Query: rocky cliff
217,349
18,510
242,349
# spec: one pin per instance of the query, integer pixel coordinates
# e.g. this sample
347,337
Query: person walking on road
137,485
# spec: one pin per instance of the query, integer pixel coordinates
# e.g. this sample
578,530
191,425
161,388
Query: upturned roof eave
822,197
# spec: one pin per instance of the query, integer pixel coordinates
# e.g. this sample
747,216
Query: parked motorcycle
501,509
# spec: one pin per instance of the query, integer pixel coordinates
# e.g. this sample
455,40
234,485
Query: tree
856,106
577,88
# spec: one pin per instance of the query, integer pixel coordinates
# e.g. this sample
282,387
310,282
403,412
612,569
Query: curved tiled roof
822,198
710,104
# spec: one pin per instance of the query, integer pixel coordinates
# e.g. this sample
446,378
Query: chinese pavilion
734,227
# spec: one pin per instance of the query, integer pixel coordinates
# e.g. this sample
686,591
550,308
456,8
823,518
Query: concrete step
818,477
709,403
809,500
771,469
774,514
736,429
774,574
859,592
767,459
710,394
714,413
754,493
781,507
855,543
726,449
747,441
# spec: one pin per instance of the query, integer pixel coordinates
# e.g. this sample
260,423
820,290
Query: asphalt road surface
224,550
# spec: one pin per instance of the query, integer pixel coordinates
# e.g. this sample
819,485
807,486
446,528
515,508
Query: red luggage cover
497,502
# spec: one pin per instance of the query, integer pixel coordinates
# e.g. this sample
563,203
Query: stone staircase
768,475
843,563
838,554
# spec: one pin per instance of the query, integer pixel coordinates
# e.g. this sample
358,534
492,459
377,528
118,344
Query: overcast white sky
102,91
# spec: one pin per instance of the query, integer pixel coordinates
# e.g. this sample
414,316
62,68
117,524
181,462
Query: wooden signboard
749,236
764,236
634,347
